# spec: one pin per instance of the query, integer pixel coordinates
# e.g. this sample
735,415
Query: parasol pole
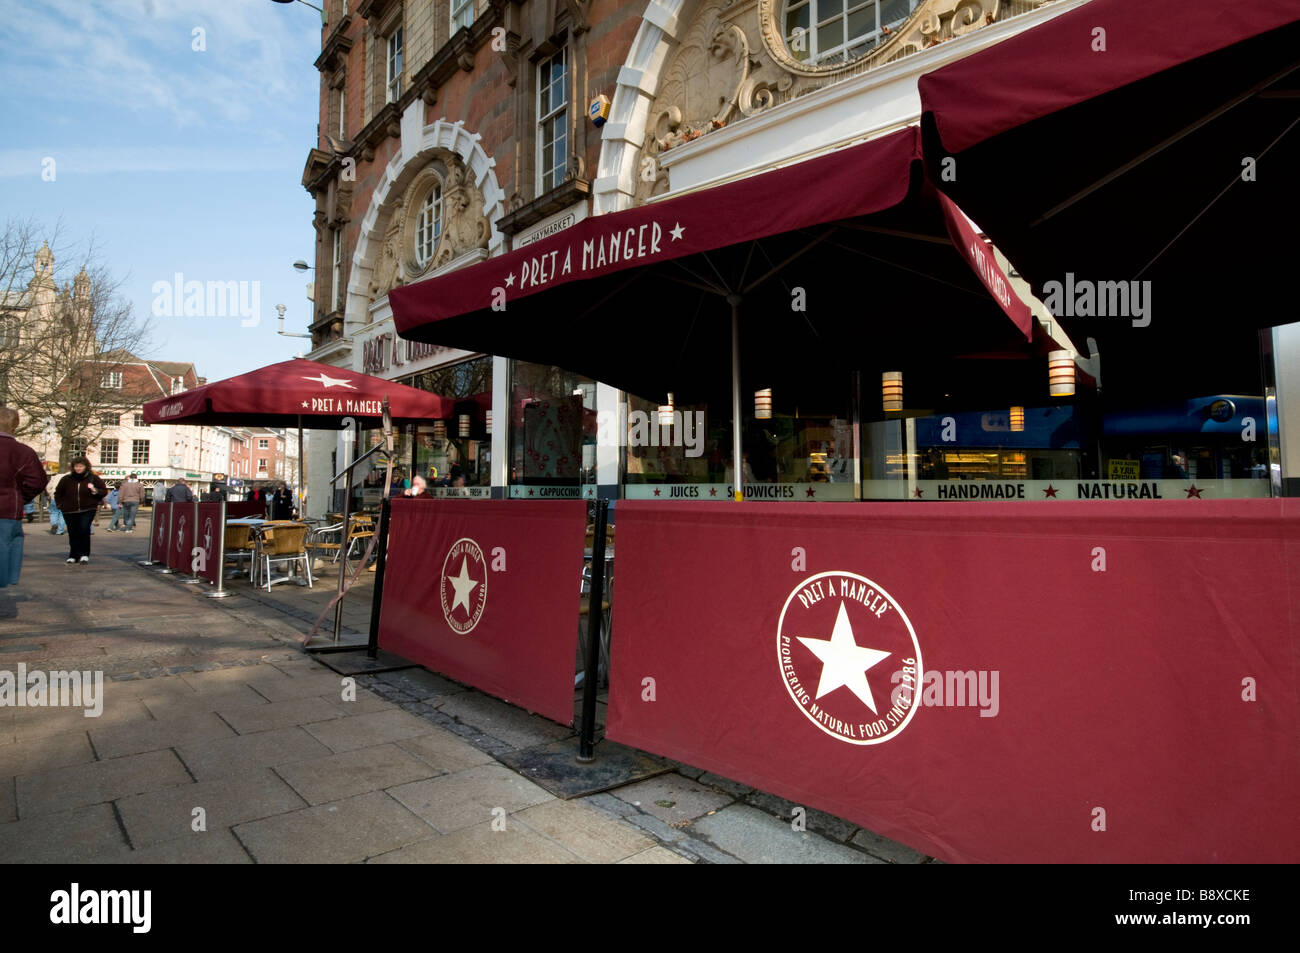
302,474
738,473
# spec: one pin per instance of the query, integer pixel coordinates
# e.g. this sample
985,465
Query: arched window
428,225
825,32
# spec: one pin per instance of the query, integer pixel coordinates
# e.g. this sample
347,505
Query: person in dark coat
282,503
80,494
22,478
180,492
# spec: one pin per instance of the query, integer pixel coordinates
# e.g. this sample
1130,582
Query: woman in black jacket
79,496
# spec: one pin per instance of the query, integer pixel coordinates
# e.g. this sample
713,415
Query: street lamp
324,19
280,309
300,264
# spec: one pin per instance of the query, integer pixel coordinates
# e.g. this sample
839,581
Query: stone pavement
220,741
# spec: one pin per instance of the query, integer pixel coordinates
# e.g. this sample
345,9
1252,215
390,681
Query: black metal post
377,599
343,554
587,739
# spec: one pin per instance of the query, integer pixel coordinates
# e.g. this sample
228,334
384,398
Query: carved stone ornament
464,225
733,62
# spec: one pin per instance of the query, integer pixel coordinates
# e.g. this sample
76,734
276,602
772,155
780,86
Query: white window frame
263,445
112,380
558,115
337,275
343,113
137,419
428,225
393,65
108,445
459,11
139,449
849,47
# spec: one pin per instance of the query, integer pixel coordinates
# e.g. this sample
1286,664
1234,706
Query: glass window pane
894,12
831,35
862,22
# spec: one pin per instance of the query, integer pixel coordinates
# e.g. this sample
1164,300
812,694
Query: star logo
304,405
1192,491
917,492
811,492
676,231
657,491
510,280
713,491
849,658
463,586
844,662
1051,491
327,382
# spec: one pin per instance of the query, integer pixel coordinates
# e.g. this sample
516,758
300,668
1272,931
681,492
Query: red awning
321,395
1058,64
1160,170
638,298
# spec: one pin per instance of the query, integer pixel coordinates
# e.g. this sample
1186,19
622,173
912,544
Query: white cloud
137,55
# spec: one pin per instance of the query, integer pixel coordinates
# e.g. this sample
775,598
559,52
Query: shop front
831,417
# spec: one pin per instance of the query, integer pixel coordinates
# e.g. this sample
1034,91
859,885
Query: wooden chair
284,542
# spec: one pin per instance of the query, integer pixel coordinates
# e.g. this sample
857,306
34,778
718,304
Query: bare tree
74,359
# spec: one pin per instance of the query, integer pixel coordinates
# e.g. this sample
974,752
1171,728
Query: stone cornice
456,54
317,167
572,190
336,47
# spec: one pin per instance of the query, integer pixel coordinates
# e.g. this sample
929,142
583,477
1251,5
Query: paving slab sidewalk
219,741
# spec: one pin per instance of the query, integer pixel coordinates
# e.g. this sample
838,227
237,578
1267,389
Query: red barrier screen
241,508
488,594
986,682
208,529
159,535
181,538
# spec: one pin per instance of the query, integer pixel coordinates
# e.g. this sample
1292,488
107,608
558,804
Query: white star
844,662
329,382
676,231
510,280
464,586
304,403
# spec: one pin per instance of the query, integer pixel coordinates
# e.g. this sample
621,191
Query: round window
830,32
428,225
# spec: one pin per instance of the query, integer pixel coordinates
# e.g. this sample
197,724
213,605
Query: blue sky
172,159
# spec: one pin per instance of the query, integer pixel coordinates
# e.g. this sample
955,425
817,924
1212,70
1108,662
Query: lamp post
324,18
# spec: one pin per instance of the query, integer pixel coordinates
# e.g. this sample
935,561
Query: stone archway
463,159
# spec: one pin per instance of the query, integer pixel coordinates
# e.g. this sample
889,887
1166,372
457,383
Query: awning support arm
737,468
1161,147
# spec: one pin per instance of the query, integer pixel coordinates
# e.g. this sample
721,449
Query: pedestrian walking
160,492
180,492
58,525
129,497
22,477
111,503
79,494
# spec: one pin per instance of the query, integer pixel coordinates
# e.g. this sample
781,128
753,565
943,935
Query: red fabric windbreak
242,508
981,260
510,621
1121,690
322,395
159,532
1055,65
180,539
208,529
857,180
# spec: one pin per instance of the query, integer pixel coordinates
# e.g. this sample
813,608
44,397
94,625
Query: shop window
553,432
826,32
